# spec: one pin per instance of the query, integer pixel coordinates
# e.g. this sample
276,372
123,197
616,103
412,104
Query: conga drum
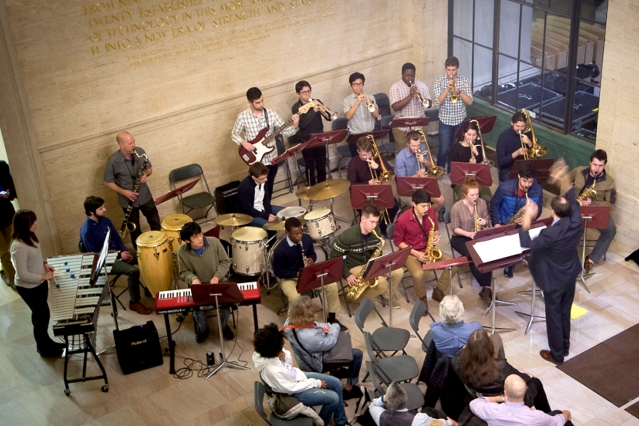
248,250
171,226
155,261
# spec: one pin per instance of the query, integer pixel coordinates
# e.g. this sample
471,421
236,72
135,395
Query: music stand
387,264
407,185
592,217
409,122
380,196
288,153
446,264
481,172
176,192
319,274
542,168
326,138
486,123
218,293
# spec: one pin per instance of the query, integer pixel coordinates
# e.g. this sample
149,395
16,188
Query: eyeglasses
357,84
305,92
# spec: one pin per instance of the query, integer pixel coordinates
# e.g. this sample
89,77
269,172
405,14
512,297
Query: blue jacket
505,202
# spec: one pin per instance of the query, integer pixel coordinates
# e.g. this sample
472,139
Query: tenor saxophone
354,292
520,213
126,225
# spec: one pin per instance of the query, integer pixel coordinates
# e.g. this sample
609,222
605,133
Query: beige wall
618,113
175,77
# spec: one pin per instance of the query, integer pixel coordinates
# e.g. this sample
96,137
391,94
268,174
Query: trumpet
483,148
426,103
327,113
454,93
435,171
369,104
535,151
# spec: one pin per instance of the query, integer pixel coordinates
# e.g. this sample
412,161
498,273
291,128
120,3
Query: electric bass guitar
261,144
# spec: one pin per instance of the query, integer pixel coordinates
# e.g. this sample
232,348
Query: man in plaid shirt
451,114
405,103
256,118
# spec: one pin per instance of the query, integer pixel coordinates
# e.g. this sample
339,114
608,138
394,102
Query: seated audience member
481,370
310,339
203,260
275,365
390,410
513,411
452,333
288,263
255,196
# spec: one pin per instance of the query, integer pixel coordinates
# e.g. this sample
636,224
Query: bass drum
248,250
155,260
171,226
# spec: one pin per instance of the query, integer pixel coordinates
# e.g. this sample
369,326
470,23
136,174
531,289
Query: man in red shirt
413,229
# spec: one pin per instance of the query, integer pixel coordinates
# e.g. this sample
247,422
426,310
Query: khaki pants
289,288
5,254
382,288
400,139
416,269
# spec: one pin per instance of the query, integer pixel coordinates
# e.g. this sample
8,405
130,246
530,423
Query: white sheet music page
498,248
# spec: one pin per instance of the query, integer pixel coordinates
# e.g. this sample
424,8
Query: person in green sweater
203,260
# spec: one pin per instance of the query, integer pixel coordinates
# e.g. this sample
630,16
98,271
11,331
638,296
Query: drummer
203,260
255,197
92,235
288,263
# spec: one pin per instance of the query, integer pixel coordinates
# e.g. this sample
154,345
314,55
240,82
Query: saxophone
432,252
520,213
588,192
126,225
355,291
476,217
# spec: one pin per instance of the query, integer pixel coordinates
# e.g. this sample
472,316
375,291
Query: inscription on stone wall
154,30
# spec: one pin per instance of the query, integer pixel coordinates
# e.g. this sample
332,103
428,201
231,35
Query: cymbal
233,219
301,193
328,189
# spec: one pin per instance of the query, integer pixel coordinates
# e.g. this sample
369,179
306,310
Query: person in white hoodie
275,365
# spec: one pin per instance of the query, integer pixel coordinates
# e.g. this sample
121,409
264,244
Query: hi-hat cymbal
328,189
233,219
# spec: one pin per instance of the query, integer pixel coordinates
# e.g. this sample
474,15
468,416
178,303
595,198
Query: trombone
435,171
483,147
327,113
384,176
535,151
426,103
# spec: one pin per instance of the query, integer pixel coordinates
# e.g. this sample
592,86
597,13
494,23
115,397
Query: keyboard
181,301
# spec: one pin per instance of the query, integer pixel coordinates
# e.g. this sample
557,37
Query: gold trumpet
426,103
435,171
535,151
483,148
454,93
327,113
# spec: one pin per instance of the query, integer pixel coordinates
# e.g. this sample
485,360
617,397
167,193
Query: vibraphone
75,307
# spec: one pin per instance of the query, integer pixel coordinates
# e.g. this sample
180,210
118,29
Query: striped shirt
452,113
251,125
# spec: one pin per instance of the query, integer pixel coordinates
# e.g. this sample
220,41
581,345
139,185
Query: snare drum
171,226
320,223
248,254
155,260
289,212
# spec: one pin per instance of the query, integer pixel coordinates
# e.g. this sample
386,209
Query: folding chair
419,309
401,368
387,339
193,201
414,393
273,420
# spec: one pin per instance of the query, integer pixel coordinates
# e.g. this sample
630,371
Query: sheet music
499,248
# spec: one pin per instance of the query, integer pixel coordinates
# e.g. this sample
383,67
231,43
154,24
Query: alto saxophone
588,192
126,225
355,291
520,213
432,252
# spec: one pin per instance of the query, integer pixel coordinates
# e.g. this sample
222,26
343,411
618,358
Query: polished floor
31,387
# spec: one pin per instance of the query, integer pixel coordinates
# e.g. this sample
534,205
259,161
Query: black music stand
219,293
326,138
448,264
542,168
407,185
387,264
319,274
481,172
176,192
592,217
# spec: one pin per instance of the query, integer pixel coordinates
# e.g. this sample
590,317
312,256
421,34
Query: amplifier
138,348
226,199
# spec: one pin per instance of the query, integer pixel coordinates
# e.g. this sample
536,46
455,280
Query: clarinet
126,225
303,255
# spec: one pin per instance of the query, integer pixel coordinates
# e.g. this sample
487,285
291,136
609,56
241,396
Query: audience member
452,333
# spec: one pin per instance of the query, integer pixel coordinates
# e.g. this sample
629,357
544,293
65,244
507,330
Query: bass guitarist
256,118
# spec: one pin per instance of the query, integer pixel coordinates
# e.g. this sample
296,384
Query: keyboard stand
224,362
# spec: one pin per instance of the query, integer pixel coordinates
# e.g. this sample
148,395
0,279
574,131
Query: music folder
203,294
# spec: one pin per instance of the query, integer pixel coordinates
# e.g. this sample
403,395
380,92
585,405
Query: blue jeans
355,366
259,221
446,140
330,399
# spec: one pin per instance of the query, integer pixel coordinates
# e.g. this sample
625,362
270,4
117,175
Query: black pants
536,396
558,301
150,212
270,182
36,300
458,242
315,160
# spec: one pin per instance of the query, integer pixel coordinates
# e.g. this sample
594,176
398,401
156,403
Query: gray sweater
28,264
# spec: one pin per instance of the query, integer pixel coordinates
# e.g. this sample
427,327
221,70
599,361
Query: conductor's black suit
554,265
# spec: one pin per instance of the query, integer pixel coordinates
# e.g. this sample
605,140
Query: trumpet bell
371,107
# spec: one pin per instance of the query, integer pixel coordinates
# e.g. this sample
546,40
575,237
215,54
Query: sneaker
587,265
508,271
228,333
201,336
139,308
342,327
382,300
396,304
437,295
486,294
354,393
